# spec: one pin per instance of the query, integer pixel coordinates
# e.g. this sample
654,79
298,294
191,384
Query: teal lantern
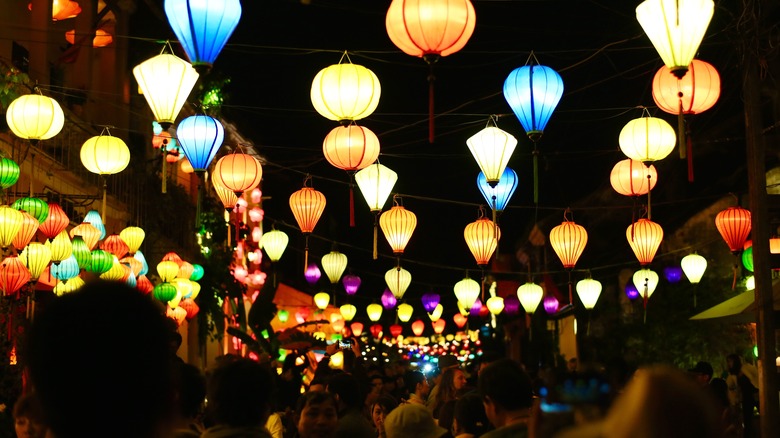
81,252
102,261
200,137
94,218
9,172
203,27
66,269
747,259
37,208
141,258
197,272
164,292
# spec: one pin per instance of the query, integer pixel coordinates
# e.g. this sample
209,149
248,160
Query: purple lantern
388,300
312,274
631,291
550,304
511,304
430,301
673,274
476,307
351,283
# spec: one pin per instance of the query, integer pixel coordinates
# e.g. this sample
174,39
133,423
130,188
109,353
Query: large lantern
35,117
676,29
530,295
334,263
647,139
430,301
694,93
238,172
589,291
498,195
467,292
482,238
200,137
492,147
632,178
533,92
734,224
345,92
397,225
645,237
398,280
351,147
203,27
166,81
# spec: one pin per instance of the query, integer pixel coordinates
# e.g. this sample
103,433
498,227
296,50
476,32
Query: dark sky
607,65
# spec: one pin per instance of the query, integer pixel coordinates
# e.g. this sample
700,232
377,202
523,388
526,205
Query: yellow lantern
530,295
61,247
436,314
398,280
589,291
676,29
184,286
482,239
195,289
405,312
374,311
495,305
647,139
166,81
116,272
26,231
467,291
167,270
174,303
397,225
694,265
274,243
492,147
69,286
334,263
35,256
321,300
105,154
345,92
133,238
35,117
10,223
348,311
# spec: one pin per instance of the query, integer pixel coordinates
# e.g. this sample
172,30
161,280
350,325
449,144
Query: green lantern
747,259
197,272
37,208
81,252
283,315
102,261
165,292
9,172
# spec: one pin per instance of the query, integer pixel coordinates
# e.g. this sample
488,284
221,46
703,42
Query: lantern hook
397,200
307,180
532,56
345,55
569,213
481,211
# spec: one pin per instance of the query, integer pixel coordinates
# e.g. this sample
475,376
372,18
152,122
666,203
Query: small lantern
398,280
388,299
644,236
418,327
200,137
357,328
376,331
9,172
351,147
165,292
35,117
482,239
498,195
348,311
495,305
396,330
13,275
631,291
374,311
438,326
274,243
405,312
397,225
460,320
589,291
530,295
203,27
430,301
673,274
307,206
632,178
734,224
647,139
102,38
694,265
436,313
334,263
197,271
467,291
238,172
351,284
550,304
321,300
345,92
166,81
312,274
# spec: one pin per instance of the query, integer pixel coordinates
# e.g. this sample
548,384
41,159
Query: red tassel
690,157
351,206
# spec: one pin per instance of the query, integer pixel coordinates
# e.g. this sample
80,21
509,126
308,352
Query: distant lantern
644,236
166,81
568,240
200,137
203,27
357,328
321,300
13,275
115,245
398,280
351,147
467,292
498,196
186,166
375,183
376,331
511,304
460,320
397,225
589,291
418,327
88,232
274,243
647,139
396,330
105,155
533,92
63,9
530,295
238,171
673,274
632,178
430,301
405,312
9,172
55,222
66,269
495,305
388,300
482,238
133,237
345,92
492,148
734,224
164,292
10,223
436,313
646,282
550,304
438,326
35,256
348,311
374,311
35,117
694,265
312,274
676,29
351,284
102,38
334,263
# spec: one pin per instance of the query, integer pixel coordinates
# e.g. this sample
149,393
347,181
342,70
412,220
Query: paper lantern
351,147
436,313
632,178
143,285
734,225
63,9
334,263
274,243
345,92
321,300
115,245
26,231
81,251
203,27
105,154
646,282
10,223
647,139
133,237
351,284
498,196
589,291
696,92
56,221
35,117
374,311
197,272
13,275
398,280
533,92
550,304
644,236
238,172
430,301
467,291
200,137
388,300
116,272
438,326
100,261
430,27
405,312
166,81
312,274
460,320
348,311
35,256
88,232
61,247
676,29
357,328
511,305
307,206
492,148
165,292
397,225
418,327
694,265
9,172
530,295
568,240
375,183
225,195
94,218
376,331
37,208
673,274
495,305
396,330
167,270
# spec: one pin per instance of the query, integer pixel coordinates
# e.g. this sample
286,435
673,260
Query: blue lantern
533,92
93,217
66,269
498,197
145,266
200,137
203,27
673,274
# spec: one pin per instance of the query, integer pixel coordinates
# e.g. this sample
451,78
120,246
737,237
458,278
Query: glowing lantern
66,269
550,304
418,327
376,331
694,93
375,183
185,271
673,274
398,280
334,263
632,178
225,195
37,208
694,265
312,274
374,311
135,265
734,224
88,232
345,91
274,243
26,231
190,306
495,305
35,256
430,301
774,245
61,247
115,245
203,27
173,257
397,225
568,240
238,172
195,289
63,9
467,291
676,28
647,139
10,223
589,291
396,330
100,261
105,155
133,237
102,38
388,299
460,320
511,305
530,295
93,217
645,237
9,172
283,315
35,117
81,251
165,292
357,328
498,195
177,314
143,285
348,311
186,166
197,272
351,284
116,272
482,239
405,312
307,206
72,285
436,313
351,147
56,221
167,270
13,275
166,81
321,300
533,92
492,147
646,282
747,259
438,326
200,137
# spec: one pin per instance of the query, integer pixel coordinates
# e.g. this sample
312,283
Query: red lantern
438,326
645,237
357,328
238,172
144,285
376,331
307,206
115,245
55,222
460,320
396,330
418,327
734,224
190,306
13,275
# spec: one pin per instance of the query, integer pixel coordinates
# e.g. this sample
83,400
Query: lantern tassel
536,175
571,295
689,145
164,177
734,281
644,301
103,211
351,204
376,254
681,132
306,254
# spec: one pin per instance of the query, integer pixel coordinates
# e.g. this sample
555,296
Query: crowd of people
98,373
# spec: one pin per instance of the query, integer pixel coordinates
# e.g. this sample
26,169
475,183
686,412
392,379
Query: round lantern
495,305
133,237
482,238
645,237
375,183
498,195
647,139
374,311
165,292
312,274
348,311
238,172
430,27
166,81
388,299
351,147
357,328
56,221
694,265
135,265
396,330
550,304
26,231
533,92
530,295
61,247
632,178
734,224
100,261
589,291
460,320
274,243
645,281
13,275
398,280
438,326
418,327
9,172
568,240
35,117
334,263
467,291
405,312
436,313
345,92
397,225
10,223
115,245
676,29
351,284
321,300
694,93
38,208
116,272
747,259
200,137
430,301
673,274
492,147
202,27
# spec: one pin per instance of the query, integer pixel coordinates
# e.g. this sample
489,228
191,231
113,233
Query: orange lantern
438,326
102,38
307,206
396,330
397,225
55,222
173,257
482,239
26,231
357,328
632,178
645,237
190,306
460,320
88,232
418,327
13,275
238,172
143,285
351,147
226,196
568,240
